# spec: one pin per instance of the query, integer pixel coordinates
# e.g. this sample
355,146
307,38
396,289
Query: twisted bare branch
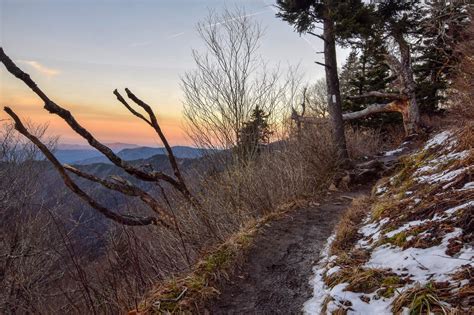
128,189
66,115
122,219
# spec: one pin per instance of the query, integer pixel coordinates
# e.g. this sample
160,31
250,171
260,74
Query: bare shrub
285,171
363,142
230,80
30,250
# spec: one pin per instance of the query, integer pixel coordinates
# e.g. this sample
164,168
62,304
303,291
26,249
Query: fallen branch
395,106
391,96
400,106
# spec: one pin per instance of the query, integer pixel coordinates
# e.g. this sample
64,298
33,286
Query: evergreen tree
441,31
340,20
254,135
365,70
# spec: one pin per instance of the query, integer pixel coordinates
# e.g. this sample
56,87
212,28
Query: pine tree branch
322,64
317,35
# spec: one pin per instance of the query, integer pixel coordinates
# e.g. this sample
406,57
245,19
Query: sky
79,51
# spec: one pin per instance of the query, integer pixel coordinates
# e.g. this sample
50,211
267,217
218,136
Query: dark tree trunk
332,82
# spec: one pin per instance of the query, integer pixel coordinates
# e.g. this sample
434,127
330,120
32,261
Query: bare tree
317,99
29,248
164,217
230,81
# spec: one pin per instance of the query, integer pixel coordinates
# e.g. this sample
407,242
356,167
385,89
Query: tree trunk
332,82
412,120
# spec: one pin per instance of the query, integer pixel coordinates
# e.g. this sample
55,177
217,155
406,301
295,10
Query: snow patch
320,291
464,205
405,227
423,264
393,152
437,140
380,190
468,186
442,177
374,306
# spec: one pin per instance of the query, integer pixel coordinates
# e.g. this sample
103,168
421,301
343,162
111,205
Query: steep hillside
409,247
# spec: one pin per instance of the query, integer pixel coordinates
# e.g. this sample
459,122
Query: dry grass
234,198
188,293
346,230
427,299
364,142
365,280
237,200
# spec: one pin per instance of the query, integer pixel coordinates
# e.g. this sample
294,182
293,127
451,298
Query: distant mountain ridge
115,146
82,156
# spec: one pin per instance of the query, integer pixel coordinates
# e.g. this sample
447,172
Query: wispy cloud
236,18
220,23
50,72
175,35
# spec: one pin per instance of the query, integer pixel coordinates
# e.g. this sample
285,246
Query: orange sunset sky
80,51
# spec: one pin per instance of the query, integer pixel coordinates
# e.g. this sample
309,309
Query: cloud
176,35
50,72
236,18
220,23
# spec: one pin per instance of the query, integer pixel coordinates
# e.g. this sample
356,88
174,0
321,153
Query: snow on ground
313,305
376,305
393,152
438,139
420,265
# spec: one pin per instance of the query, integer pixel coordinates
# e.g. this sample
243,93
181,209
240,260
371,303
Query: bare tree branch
122,219
152,176
156,126
134,112
128,189
400,106
53,108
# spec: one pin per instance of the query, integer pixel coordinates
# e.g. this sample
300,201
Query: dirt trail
274,278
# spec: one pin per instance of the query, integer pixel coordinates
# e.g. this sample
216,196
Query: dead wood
122,219
177,182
